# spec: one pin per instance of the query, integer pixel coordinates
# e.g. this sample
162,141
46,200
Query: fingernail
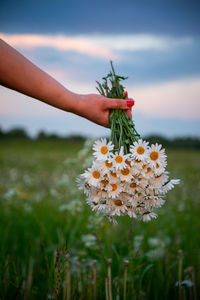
130,103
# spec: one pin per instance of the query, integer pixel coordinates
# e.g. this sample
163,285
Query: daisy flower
131,187
103,183
159,169
147,172
133,201
159,202
148,202
125,174
139,150
82,185
101,207
141,182
131,213
102,149
147,216
90,202
118,207
170,185
105,166
158,181
137,165
156,156
93,175
112,175
114,189
119,159
97,194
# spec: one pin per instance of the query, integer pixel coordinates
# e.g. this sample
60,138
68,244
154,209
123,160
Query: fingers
125,94
129,113
119,103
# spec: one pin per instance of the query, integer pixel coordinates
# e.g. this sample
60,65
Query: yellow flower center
137,161
118,202
118,159
148,170
128,162
113,174
108,165
125,172
96,174
114,187
133,185
154,155
158,176
140,150
104,150
105,182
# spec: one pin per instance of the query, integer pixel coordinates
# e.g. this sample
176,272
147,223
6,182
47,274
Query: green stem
123,132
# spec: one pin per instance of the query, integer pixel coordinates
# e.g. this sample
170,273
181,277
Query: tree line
176,142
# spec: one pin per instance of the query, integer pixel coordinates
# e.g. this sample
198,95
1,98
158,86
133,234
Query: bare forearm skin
18,73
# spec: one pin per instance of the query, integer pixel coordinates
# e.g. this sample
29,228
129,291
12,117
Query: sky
155,43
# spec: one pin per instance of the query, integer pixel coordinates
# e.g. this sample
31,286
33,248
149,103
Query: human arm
18,73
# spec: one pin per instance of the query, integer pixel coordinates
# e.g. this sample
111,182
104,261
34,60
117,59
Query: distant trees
175,143
14,133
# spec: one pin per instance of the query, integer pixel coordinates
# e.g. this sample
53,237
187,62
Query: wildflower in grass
102,149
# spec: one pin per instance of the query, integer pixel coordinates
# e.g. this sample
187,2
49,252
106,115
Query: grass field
52,246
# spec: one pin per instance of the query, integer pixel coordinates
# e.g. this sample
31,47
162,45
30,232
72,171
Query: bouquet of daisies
127,176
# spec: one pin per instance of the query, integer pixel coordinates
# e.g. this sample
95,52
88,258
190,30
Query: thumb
119,103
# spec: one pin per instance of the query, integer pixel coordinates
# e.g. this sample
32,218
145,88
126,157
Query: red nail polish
130,103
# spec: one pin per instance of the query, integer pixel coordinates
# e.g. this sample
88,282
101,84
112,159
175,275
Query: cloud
138,42
59,42
106,46
175,99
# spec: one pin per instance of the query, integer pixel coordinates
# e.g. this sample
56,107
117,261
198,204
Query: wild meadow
52,246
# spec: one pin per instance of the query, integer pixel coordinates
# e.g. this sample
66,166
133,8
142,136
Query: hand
18,73
96,108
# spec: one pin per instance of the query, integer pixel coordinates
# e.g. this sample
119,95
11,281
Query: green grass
41,210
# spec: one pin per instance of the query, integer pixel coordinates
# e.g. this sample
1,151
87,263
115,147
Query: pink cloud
175,99
59,42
